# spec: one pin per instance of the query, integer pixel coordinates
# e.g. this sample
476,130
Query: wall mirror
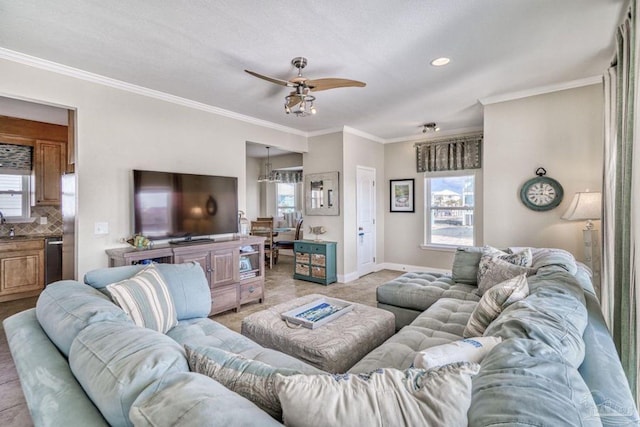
322,194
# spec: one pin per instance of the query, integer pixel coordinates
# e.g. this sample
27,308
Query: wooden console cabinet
21,269
234,267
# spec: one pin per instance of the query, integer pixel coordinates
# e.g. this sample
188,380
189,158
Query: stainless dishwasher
53,260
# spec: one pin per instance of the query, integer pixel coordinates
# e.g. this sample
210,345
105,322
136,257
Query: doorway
49,131
366,219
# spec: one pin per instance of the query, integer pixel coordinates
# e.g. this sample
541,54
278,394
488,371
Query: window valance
456,153
291,177
15,159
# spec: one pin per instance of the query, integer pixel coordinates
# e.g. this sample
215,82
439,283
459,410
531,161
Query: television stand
191,241
234,268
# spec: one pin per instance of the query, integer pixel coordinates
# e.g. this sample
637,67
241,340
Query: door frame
372,267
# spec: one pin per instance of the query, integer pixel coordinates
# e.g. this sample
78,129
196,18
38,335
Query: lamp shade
584,206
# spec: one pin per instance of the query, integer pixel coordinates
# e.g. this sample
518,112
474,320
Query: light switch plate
43,220
101,228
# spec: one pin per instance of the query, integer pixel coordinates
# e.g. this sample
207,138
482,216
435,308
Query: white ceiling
198,50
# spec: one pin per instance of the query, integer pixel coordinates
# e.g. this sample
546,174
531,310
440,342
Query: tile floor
279,287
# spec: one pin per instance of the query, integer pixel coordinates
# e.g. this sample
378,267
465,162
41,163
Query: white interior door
366,213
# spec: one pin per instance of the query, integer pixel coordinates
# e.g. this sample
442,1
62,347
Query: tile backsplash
53,225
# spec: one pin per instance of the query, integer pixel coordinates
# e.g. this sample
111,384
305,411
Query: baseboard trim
406,268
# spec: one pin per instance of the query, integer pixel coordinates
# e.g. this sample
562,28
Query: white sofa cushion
386,397
466,350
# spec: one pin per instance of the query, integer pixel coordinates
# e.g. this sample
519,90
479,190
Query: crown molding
588,81
140,90
362,134
349,130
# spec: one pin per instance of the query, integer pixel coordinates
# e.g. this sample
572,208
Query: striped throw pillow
493,302
146,299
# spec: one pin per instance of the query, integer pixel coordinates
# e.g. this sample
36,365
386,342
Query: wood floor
279,287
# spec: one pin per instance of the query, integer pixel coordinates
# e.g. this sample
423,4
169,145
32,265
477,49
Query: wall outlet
101,228
43,220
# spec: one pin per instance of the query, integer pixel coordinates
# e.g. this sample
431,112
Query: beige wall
252,204
325,155
560,131
118,131
360,151
404,231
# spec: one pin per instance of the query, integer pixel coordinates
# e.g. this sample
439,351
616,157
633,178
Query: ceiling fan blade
270,79
332,83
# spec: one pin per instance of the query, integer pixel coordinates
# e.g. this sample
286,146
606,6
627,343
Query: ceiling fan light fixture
300,101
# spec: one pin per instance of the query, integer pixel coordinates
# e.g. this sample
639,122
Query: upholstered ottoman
334,347
412,293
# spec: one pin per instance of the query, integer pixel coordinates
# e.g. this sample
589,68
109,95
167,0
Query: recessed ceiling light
439,62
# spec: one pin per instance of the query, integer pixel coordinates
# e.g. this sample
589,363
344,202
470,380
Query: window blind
16,159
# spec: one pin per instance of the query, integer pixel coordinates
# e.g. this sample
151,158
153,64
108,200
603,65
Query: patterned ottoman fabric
442,323
419,290
333,347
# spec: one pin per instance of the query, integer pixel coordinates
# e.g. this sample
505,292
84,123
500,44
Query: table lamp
587,206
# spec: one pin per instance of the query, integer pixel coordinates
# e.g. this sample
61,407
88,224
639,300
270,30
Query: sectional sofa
83,362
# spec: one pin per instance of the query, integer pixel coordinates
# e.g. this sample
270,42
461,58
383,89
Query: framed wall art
402,195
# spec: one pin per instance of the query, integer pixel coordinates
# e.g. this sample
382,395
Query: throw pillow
467,350
497,270
385,397
493,302
465,265
251,379
146,299
522,258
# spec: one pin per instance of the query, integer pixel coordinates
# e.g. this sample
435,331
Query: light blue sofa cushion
549,391
206,332
442,323
188,399
67,307
554,313
52,393
465,265
615,403
187,284
115,362
421,289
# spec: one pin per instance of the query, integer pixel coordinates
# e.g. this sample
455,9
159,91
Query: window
450,208
14,196
285,198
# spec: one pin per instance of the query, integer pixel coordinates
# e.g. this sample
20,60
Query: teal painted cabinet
315,261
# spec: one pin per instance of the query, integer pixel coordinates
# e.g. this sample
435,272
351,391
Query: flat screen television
180,205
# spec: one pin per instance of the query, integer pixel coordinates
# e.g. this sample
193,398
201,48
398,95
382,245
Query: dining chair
264,228
288,244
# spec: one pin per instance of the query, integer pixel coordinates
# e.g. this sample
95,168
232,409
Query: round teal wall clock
541,193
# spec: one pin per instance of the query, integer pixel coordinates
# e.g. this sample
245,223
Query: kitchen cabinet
49,165
315,261
234,267
21,269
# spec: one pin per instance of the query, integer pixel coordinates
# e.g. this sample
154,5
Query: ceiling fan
300,100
